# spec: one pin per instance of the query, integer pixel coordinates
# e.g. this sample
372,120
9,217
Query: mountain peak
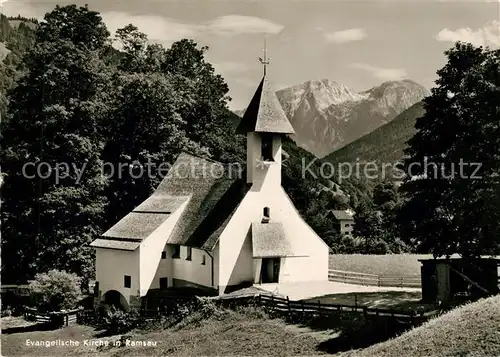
326,114
397,85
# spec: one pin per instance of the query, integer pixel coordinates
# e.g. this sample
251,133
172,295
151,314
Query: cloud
156,27
159,28
236,24
386,74
344,36
489,35
166,29
14,8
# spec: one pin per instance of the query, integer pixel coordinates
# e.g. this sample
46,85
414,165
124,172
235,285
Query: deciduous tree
452,189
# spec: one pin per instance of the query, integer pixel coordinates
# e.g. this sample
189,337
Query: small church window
127,281
266,215
203,260
267,147
177,252
163,255
189,252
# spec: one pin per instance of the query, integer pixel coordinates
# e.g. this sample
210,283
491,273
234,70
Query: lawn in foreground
470,330
227,333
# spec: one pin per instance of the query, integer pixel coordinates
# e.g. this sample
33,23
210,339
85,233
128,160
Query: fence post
289,307
303,312
356,300
67,319
365,313
378,280
402,281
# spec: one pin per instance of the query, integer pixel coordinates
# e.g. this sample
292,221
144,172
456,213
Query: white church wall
192,270
257,266
180,268
165,268
263,173
301,236
111,267
296,269
216,263
151,248
242,270
253,154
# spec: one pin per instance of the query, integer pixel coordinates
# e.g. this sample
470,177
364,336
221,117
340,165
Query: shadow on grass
353,330
30,328
403,301
356,331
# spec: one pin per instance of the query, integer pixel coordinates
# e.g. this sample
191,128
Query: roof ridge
186,152
198,156
204,158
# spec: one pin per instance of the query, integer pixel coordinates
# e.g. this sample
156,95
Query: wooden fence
350,277
64,318
16,289
285,307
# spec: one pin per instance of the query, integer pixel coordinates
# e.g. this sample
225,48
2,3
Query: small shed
445,279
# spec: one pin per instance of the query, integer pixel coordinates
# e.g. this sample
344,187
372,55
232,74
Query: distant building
214,232
345,221
455,278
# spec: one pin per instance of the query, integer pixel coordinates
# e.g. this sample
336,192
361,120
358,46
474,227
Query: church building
209,228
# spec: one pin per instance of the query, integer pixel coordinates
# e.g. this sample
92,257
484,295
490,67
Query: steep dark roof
216,191
139,224
136,225
264,113
269,240
112,243
213,192
159,203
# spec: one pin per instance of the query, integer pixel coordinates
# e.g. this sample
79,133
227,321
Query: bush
117,321
55,291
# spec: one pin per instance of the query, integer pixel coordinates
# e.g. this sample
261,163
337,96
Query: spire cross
265,60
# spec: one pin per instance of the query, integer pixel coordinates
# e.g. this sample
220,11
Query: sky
356,43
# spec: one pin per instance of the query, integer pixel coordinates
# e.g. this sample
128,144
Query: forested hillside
16,37
383,145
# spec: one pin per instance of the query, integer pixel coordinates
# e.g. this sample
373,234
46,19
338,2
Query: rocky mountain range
327,115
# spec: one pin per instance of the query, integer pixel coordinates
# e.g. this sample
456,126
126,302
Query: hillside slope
16,37
471,330
383,145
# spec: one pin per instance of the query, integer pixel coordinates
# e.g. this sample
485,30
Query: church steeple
264,123
264,114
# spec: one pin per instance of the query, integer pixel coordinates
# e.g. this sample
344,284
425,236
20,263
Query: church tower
265,123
